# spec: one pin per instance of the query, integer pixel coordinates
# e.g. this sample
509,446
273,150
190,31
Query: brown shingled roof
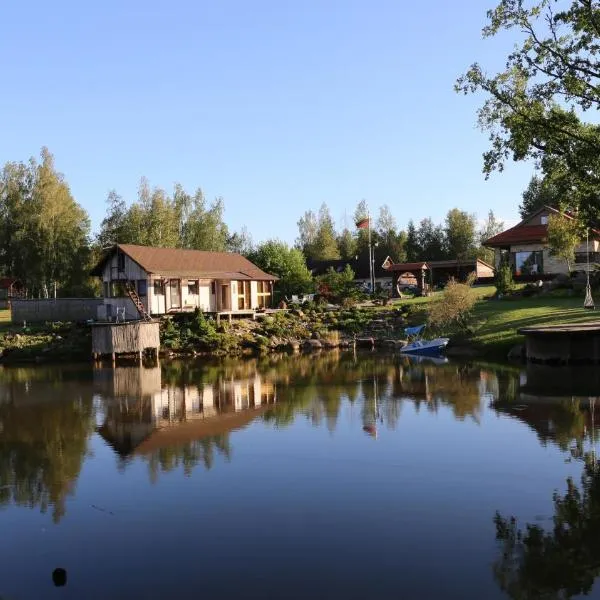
177,262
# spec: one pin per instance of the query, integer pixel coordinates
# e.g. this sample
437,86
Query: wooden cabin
171,280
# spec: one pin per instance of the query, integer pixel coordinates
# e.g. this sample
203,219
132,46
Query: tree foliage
540,191
289,264
535,107
179,220
460,234
44,233
453,307
562,562
490,228
335,286
563,237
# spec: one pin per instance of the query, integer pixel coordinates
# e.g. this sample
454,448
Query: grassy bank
494,323
491,333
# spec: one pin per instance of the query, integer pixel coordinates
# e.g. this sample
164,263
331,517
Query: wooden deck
245,314
563,344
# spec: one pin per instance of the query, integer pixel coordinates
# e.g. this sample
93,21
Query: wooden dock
128,338
563,344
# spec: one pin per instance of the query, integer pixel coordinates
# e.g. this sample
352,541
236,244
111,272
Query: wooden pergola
416,269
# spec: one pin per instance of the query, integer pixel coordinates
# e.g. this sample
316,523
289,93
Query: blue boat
423,347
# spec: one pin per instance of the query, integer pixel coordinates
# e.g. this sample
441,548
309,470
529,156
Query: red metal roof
520,234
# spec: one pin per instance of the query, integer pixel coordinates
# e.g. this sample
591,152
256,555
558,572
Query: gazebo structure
415,269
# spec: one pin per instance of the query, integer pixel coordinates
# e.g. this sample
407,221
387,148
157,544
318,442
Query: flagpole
370,254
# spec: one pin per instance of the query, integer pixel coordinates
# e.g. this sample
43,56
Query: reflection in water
184,415
46,418
176,424
562,562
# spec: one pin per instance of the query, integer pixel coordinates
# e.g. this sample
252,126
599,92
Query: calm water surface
333,476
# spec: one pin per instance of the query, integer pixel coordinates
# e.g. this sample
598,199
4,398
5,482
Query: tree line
47,243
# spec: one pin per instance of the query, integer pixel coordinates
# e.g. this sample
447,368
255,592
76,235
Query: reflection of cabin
10,288
141,414
172,280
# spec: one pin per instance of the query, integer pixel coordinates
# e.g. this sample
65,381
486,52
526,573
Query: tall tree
325,245
460,234
112,228
240,242
317,237
535,107
346,243
539,192
289,264
391,242
308,226
490,228
563,238
47,243
413,249
431,240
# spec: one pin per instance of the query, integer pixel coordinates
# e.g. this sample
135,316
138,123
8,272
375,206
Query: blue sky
277,106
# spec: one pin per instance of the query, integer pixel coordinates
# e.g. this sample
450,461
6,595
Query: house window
582,257
159,287
106,290
142,287
193,288
120,262
528,263
263,294
118,289
544,219
213,287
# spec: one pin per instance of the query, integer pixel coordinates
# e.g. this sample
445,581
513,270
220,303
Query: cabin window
528,262
192,288
263,294
159,287
120,261
142,287
118,289
544,219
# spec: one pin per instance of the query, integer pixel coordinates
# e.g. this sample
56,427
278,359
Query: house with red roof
525,248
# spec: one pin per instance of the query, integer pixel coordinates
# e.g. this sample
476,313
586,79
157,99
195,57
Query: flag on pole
363,223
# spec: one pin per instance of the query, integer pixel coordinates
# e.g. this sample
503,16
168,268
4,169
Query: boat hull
428,348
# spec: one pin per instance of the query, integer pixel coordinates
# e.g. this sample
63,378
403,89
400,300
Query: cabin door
175,293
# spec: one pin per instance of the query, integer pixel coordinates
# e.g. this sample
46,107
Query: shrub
454,306
504,280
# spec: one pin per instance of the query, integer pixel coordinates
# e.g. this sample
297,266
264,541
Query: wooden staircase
130,288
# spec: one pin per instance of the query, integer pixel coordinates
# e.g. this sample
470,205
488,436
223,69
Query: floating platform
130,337
563,344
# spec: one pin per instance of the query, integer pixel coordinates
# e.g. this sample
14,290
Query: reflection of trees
188,455
559,563
42,449
564,424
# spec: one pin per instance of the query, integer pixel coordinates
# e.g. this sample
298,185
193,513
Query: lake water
332,476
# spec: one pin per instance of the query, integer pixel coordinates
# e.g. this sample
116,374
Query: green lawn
496,322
